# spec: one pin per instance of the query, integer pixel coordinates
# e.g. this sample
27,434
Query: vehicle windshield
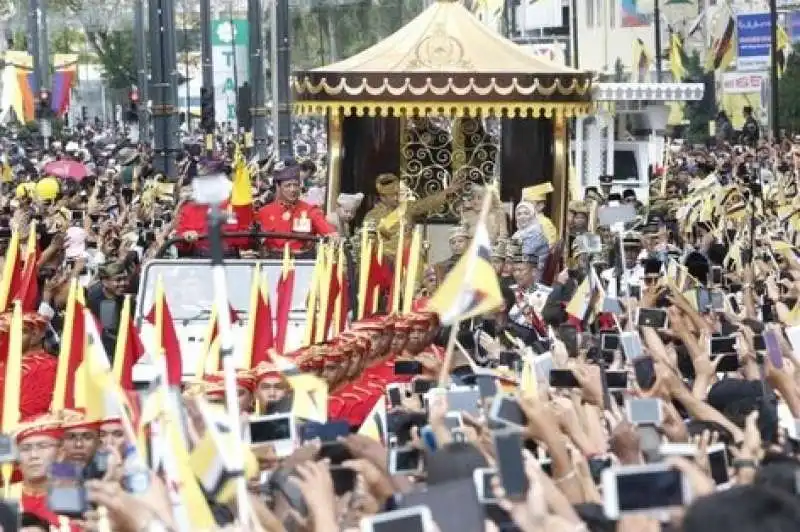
189,286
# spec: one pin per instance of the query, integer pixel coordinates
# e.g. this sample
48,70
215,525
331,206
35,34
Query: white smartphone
453,420
644,411
717,459
483,477
631,345
278,430
505,409
405,461
413,519
651,489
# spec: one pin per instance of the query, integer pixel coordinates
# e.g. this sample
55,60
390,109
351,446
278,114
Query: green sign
229,32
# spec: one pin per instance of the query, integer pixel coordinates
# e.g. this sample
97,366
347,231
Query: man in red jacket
192,221
289,214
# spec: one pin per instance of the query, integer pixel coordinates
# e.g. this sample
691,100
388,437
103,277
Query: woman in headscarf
346,207
530,234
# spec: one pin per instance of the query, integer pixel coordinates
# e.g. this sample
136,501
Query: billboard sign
229,40
753,41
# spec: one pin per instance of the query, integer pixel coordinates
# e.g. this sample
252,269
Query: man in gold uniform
386,214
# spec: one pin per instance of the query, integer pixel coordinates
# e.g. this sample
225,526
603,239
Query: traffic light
44,110
207,119
133,105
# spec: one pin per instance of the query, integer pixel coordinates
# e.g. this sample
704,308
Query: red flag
263,337
133,352
169,341
380,276
77,349
283,305
333,295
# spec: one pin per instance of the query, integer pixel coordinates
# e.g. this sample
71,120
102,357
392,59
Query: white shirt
633,276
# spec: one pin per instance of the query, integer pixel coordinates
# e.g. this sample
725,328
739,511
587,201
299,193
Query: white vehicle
190,292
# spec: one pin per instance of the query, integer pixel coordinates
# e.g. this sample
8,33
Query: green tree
700,112
789,93
112,46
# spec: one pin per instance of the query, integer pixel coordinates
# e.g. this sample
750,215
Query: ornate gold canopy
444,62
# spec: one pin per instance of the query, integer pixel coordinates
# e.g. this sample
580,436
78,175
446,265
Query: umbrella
66,170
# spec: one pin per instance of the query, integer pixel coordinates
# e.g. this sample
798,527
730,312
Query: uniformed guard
626,282
530,296
289,214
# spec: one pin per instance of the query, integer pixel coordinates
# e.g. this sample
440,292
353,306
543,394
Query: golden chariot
442,95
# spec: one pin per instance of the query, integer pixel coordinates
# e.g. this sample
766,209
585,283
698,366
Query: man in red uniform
289,214
192,220
38,441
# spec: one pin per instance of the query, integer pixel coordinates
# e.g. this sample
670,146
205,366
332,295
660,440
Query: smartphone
278,430
344,479
453,420
405,461
413,519
773,346
717,278
505,409
758,343
10,516
422,385
326,432
510,464
335,451
466,399
644,411
483,477
717,457
407,367
651,317
569,335
617,380
643,489
717,301
395,393
631,345
563,378
734,303
722,345
487,387
645,372
8,451
66,494
609,342
729,362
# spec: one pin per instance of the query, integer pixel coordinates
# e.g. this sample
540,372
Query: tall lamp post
657,30
773,70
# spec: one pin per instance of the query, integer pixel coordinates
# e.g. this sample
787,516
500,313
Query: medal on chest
286,216
302,224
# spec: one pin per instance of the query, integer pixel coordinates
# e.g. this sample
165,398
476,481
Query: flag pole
216,219
451,340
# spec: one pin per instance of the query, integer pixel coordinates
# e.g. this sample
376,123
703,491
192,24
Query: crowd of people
637,375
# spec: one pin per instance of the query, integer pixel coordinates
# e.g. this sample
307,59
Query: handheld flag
471,288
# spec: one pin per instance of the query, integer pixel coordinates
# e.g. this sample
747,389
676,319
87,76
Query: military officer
289,214
619,282
530,296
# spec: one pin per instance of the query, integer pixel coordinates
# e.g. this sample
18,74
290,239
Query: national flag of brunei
471,288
